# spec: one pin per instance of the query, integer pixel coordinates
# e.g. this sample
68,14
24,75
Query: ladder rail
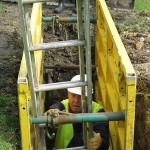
79,4
32,62
88,61
30,43
27,55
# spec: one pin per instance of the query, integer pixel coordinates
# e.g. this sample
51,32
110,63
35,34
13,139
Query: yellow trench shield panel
116,84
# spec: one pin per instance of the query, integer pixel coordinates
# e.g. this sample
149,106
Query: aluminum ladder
83,43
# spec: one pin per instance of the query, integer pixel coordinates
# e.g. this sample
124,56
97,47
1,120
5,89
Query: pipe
78,118
66,19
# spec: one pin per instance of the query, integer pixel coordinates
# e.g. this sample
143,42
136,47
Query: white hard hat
77,90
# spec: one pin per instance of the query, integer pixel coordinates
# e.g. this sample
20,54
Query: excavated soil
136,41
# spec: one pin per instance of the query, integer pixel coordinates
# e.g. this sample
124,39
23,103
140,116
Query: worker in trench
70,135
61,6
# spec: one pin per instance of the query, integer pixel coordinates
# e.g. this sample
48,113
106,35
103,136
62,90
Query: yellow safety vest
65,132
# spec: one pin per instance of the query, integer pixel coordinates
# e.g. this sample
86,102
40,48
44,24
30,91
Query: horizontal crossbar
78,118
59,85
58,44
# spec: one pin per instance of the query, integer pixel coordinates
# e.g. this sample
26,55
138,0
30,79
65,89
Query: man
61,6
70,135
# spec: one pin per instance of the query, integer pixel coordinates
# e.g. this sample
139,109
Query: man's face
75,102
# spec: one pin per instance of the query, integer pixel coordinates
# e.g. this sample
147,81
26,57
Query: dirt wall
142,122
142,112
124,4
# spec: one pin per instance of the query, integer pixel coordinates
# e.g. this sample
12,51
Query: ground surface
134,29
10,53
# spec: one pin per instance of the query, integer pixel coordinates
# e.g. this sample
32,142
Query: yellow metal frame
27,131
116,85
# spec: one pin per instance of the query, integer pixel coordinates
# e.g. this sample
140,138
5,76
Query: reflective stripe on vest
65,132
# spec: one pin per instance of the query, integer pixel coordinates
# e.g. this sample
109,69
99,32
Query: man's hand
54,112
95,142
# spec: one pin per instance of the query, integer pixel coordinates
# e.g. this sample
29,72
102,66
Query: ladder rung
58,44
72,148
59,85
34,1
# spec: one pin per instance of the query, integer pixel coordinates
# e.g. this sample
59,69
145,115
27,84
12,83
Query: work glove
95,142
54,112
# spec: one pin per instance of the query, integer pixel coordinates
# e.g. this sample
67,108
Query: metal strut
65,19
78,118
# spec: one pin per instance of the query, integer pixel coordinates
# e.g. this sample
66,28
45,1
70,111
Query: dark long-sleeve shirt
101,127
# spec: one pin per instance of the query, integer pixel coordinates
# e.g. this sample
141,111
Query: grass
135,24
2,9
142,5
9,123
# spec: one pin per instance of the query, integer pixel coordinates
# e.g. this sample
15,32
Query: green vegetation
9,122
135,24
2,8
142,5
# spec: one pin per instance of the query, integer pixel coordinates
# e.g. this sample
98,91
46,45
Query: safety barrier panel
116,84
27,130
